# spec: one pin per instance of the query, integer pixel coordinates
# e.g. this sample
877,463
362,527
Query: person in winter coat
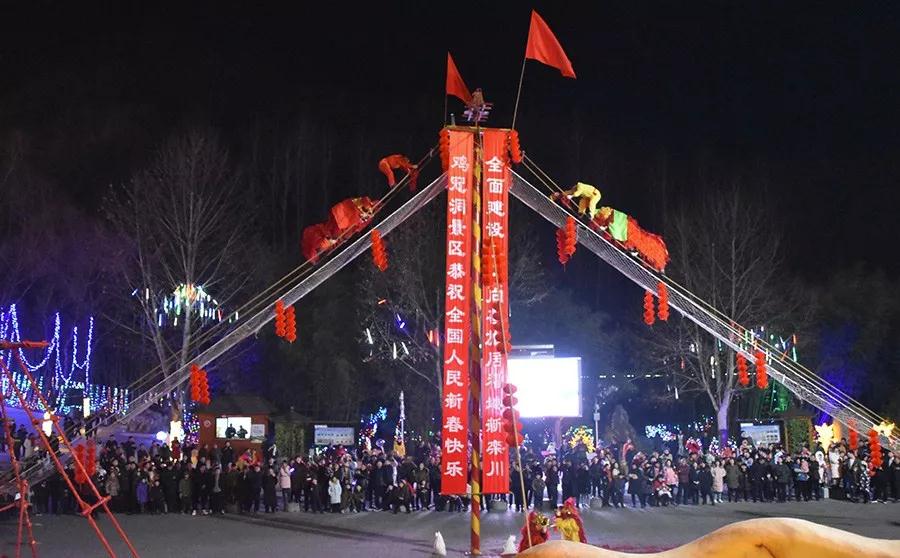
269,482
420,478
617,487
334,494
284,482
255,479
553,486
718,485
636,487
143,494
537,490
185,488
732,479
706,483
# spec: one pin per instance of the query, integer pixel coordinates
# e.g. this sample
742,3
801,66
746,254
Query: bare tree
725,249
183,224
402,309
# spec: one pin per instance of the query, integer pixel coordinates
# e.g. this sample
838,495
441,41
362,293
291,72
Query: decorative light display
662,432
370,426
580,435
59,370
187,298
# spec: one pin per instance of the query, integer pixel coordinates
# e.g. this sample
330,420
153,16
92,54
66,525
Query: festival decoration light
444,148
280,323
511,423
187,298
580,435
885,428
290,317
826,435
853,437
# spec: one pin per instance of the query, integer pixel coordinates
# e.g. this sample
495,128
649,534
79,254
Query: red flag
455,84
543,47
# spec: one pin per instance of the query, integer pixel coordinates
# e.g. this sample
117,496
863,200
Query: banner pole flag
542,46
455,84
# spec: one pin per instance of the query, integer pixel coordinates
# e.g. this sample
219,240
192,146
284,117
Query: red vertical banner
457,305
495,322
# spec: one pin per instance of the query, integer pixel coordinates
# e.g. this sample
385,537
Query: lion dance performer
346,218
625,229
568,522
588,197
538,524
389,164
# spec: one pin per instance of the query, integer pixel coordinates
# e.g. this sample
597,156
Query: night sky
807,93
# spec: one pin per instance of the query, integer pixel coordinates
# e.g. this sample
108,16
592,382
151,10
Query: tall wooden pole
475,355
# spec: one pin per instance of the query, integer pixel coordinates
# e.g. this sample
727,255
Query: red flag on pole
543,47
455,84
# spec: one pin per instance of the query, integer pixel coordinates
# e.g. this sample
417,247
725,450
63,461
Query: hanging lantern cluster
663,293
874,449
649,314
444,148
511,423
199,385
762,375
566,240
515,149
379,252
743,375
853,437
285,322
87,456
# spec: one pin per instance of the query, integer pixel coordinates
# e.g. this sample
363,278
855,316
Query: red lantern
511,424
663,293
279,318
875,449
379,252
571,236
515,150
762,376
853,438
743,376
444,148
649,315
561,251
290,334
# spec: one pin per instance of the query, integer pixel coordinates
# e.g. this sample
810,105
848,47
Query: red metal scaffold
87,487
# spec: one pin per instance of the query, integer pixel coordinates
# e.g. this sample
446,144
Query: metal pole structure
475,356
402,422
596,424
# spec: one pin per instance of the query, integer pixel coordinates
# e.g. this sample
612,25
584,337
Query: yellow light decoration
826,433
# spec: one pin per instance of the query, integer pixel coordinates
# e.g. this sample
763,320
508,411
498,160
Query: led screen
547,387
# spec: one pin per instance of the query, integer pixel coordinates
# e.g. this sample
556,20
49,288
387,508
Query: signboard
538,395
324,435
457,326
762,434
495,309
257,432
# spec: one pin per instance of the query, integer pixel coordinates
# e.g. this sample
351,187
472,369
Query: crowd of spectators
207,480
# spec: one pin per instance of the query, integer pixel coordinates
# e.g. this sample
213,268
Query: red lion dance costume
540,530
346,218
625,229
389,164
568,522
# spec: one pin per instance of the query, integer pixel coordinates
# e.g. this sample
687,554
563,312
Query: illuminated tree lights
59,371
172,307
580,435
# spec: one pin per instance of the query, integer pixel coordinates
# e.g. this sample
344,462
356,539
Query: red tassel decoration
743,376
515,150
561,251
379,252
444,148
663,293
853,438
875,459
649,315
762,376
